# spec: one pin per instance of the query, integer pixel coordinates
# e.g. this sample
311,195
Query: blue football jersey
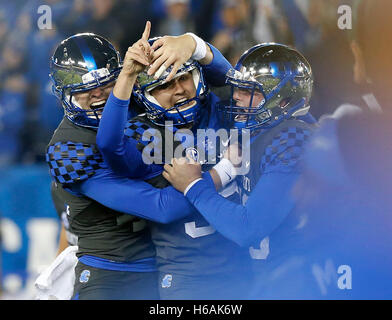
274,152
191,246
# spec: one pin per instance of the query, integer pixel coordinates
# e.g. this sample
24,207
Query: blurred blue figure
296,13
29,228
331,57
12,115
178,18
4,28
49,110
12,102
344,205
235,35
344,194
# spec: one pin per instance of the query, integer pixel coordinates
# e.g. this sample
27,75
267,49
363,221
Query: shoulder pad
136,127
71,162
286,147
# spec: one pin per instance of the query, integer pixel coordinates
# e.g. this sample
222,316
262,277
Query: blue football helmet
281,74
158,114
80,63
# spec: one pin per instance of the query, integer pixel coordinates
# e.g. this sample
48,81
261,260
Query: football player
345,187
342,196
346,182
194,261
271,87
105,211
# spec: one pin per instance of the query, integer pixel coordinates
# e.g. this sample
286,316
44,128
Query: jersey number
197,232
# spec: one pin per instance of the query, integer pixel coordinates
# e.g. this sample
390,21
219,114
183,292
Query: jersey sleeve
270,201
134,197
215,71
79,167
71,162
268,205
285,151
120,152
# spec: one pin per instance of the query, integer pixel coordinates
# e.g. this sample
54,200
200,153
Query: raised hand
171,51
139,55
137,58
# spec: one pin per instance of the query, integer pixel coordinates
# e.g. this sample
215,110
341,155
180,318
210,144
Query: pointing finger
146,32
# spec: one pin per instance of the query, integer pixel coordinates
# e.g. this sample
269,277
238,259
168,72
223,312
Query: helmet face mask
82,63
177,114
280,74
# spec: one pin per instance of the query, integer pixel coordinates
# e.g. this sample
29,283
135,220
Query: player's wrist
190,185
200,51
127,75
226,171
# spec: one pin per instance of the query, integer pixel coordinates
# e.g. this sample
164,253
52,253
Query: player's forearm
119,153
111,128
216,179
266,208
201,51
227,217
215,70
124,85
136,197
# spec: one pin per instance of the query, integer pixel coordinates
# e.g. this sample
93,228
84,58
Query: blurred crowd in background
29,112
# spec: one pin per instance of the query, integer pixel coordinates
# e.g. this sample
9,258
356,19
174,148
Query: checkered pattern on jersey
72,162
286,149
148,139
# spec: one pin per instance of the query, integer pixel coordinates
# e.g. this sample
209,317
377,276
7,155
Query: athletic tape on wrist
201,50
226,171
